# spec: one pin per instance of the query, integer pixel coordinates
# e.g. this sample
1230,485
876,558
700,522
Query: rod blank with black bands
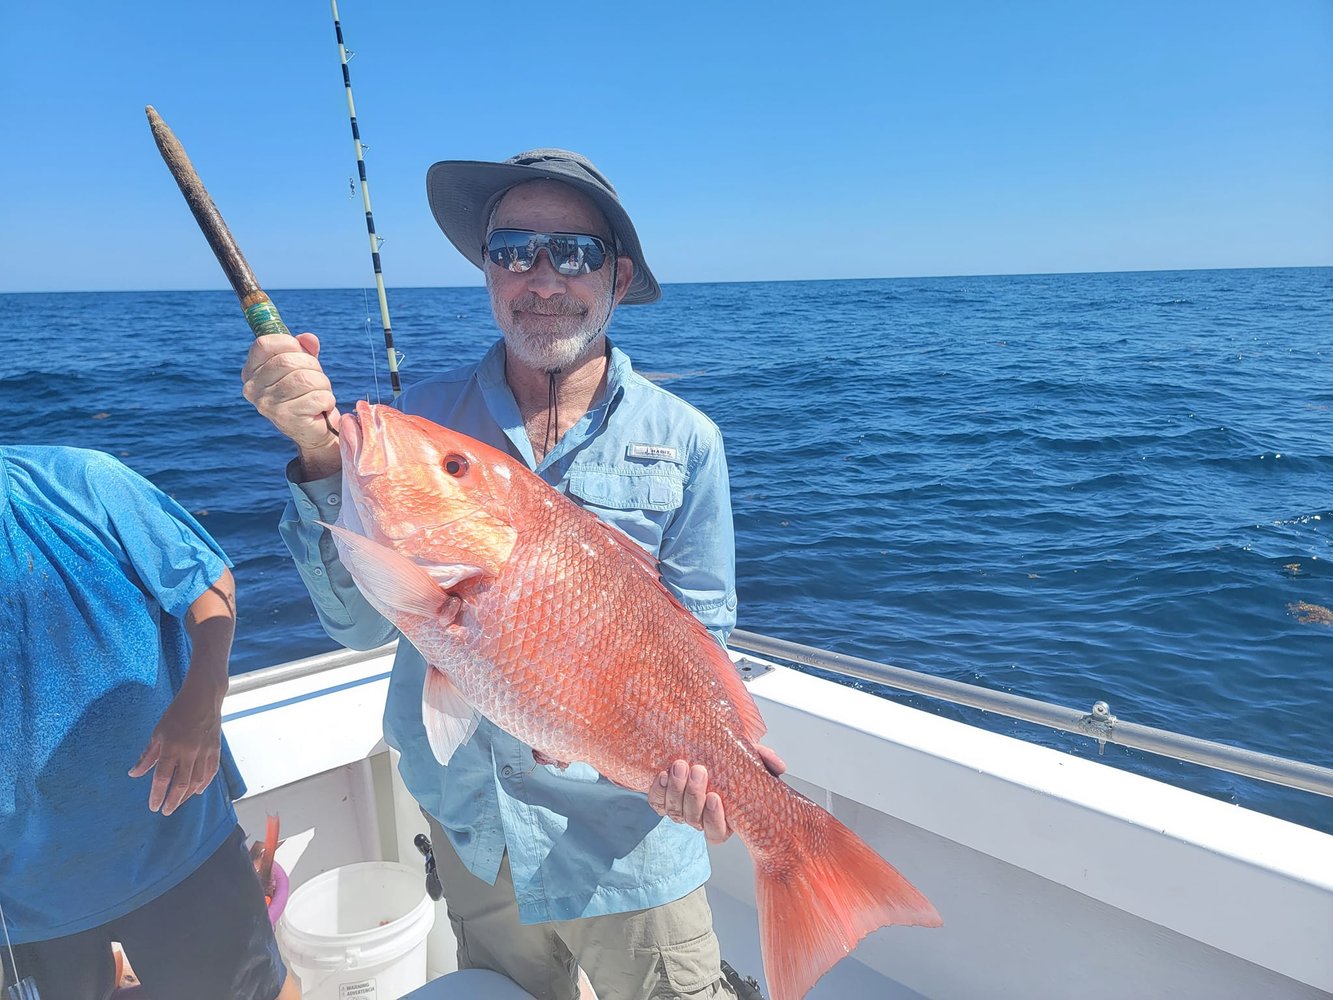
370,217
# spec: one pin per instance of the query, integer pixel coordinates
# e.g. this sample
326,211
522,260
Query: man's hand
184,750
283,378
682,793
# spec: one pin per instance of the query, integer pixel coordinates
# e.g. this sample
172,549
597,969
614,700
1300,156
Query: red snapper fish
552,624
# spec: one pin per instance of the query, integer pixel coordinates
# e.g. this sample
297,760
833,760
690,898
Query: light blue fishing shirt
653,466
97,570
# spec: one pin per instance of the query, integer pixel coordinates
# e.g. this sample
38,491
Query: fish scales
566,622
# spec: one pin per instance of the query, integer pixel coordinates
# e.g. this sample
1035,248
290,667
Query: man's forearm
319,463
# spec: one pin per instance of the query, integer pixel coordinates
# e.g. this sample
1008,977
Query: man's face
551,320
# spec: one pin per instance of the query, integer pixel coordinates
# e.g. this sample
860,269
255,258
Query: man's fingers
657,794
675,790
264,349
775,764
284,384
309,343
715,819
696,789
266,368
308,405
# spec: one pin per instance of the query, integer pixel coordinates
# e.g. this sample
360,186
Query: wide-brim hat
462,194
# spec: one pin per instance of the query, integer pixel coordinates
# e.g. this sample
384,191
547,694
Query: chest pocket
658,489
640,502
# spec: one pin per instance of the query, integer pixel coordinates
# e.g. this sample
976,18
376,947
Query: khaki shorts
665,952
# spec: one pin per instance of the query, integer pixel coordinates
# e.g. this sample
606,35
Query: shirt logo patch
658,451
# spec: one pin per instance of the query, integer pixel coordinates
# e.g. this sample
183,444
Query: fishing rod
260,312
375,241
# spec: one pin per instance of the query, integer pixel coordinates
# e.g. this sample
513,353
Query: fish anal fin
449,718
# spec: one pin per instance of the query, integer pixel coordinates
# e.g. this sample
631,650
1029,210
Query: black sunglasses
571,253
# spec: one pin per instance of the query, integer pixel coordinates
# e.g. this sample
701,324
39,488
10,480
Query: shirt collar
490,374
491,369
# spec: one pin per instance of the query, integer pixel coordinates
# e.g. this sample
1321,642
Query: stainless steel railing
1098,723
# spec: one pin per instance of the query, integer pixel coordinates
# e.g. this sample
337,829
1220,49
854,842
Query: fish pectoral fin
449,718
389,581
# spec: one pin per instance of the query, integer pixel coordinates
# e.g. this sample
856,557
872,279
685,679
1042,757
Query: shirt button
333,500
317,571
507,771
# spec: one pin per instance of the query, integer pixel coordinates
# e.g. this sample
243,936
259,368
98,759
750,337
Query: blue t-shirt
97,571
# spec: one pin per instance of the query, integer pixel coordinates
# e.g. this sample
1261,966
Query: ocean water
1069,487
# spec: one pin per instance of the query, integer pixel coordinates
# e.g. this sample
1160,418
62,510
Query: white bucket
358,932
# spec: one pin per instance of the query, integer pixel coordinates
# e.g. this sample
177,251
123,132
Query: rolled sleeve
347,616
169,552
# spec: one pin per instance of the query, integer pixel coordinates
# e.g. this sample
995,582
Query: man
544,869
116,619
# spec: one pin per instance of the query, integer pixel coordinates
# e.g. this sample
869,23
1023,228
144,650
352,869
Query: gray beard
574,334
550,353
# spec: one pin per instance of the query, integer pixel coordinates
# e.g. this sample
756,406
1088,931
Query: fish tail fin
819,893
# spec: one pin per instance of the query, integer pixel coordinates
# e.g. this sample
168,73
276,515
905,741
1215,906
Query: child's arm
186,744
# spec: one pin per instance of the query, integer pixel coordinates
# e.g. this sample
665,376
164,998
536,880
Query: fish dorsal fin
448,717
393,583
725,671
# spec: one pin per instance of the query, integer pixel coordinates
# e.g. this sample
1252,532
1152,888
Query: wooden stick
260,312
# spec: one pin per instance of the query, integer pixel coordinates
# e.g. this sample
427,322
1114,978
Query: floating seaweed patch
1311,614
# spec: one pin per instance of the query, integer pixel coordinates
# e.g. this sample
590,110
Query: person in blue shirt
116,619
544,870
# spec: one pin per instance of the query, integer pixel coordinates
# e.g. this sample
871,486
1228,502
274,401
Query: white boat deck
1056,876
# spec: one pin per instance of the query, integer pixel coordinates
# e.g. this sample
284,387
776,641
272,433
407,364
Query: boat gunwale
1101,727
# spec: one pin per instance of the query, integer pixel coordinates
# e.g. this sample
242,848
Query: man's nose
542,276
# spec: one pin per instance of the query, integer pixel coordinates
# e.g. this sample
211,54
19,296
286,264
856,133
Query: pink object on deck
281,889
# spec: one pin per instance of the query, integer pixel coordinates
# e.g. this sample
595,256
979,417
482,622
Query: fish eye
455,465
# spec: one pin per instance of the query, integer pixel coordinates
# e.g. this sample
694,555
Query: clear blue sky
882,138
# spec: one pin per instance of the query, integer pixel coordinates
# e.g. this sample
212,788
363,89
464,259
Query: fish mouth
349,434
363,442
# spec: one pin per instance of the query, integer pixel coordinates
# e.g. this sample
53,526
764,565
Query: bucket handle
349,959
331,966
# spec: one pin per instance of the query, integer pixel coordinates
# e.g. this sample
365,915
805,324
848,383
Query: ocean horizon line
667,284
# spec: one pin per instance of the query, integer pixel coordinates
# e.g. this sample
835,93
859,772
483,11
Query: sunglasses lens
511,249
570,253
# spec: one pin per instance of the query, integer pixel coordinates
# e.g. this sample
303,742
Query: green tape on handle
264,319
